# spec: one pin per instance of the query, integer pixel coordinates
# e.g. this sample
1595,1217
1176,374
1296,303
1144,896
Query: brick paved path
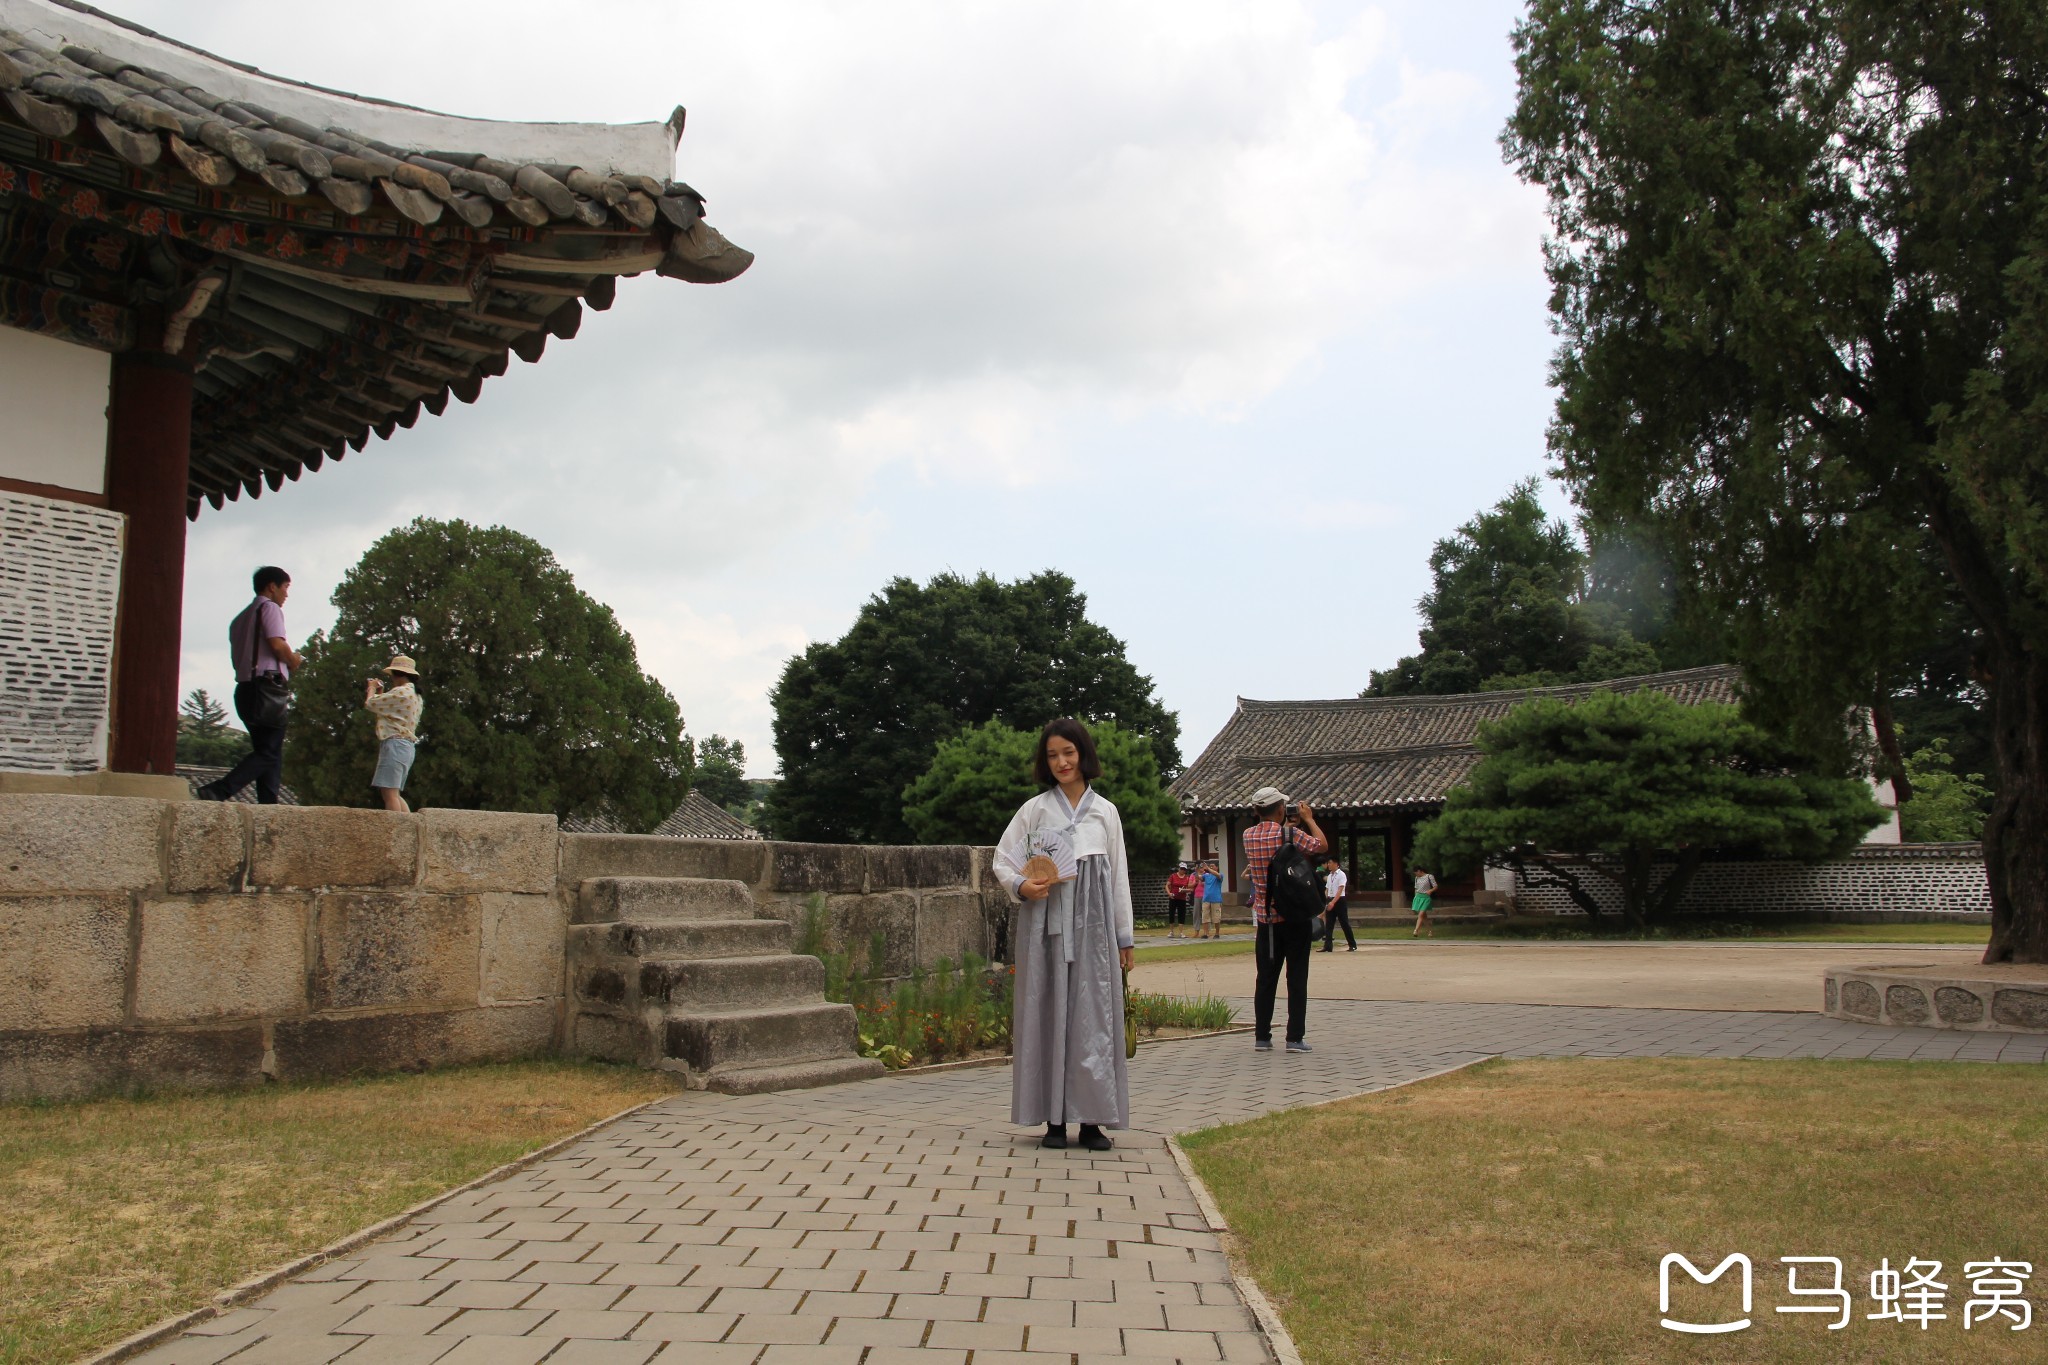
902,1222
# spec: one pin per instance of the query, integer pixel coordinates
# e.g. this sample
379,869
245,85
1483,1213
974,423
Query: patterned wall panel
60,581
1921,878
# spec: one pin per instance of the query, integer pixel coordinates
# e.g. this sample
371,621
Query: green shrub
952,1012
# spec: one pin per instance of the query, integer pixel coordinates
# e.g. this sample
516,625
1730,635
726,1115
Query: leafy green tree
979,777
1606,789
857,719
205,739
1947,806
534,696
1501,602
1516,601
1800,272
721,774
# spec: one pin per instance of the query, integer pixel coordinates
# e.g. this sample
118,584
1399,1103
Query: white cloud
982,228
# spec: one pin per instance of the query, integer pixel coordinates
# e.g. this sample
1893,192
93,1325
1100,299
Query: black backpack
1292,886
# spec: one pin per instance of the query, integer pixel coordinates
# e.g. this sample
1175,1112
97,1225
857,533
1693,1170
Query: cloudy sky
1226,309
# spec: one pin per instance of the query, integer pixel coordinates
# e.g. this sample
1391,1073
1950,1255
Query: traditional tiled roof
697,817
1382,753
196,777
334,265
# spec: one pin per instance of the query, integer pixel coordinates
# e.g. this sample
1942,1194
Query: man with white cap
1278,942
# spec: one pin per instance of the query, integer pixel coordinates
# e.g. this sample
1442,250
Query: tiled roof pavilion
1381,754
330,265
276,273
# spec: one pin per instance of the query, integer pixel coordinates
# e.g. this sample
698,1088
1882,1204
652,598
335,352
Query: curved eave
332,283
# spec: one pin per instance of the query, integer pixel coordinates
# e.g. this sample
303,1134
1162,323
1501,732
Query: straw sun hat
402,663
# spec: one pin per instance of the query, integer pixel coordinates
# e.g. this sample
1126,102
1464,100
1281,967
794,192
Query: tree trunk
1637,867
1672,890
1891,762
1541,871
2016,833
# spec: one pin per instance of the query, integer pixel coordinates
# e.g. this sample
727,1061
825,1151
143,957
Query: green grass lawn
1519,1210
120,1212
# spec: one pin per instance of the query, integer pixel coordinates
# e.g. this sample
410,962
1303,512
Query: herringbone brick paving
902,1221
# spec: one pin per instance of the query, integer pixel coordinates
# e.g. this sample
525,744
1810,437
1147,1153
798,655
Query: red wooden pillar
1397,863
149,455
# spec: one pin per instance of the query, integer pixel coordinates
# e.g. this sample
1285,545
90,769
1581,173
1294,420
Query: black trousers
1176,910
1281,945
265,764
1341,912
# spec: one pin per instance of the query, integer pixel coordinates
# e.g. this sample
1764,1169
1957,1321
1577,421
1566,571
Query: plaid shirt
1261,842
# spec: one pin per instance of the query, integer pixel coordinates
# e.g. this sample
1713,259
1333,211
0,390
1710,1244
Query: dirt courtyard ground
1694,976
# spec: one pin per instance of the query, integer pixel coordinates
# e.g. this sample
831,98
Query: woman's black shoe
1094,1139
1055,1135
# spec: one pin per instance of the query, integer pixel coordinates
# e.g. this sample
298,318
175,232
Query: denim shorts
394,761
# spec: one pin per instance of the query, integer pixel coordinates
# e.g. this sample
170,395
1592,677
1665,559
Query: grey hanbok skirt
1067,1023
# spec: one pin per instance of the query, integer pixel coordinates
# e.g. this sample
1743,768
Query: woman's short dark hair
269,575
1067,728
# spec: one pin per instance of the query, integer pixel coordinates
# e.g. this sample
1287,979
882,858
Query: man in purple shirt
256,641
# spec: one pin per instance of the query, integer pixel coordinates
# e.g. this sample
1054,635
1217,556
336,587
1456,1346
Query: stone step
681,938
756,1080
715,1041
607,900
731,983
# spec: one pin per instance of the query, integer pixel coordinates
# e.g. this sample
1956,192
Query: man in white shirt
1335,885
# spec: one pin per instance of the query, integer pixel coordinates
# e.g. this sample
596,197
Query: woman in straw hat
1062,863
397,710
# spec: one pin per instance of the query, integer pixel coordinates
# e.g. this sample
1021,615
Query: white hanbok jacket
1098,833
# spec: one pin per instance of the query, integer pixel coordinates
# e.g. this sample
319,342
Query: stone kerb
1989,999
169,943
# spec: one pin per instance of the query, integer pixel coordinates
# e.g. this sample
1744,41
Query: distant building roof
697,817
1382,753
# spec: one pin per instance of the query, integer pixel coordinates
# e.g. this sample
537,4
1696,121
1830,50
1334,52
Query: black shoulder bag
273,690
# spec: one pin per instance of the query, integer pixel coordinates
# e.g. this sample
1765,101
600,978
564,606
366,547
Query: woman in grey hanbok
1070,941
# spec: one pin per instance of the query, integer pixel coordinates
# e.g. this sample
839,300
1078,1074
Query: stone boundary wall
929,902
184,943
1875,881
150,943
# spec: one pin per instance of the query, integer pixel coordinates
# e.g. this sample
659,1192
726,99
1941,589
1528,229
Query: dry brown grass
1518,1211
123,1211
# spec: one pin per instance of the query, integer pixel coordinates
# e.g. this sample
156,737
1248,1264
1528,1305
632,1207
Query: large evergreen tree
205,739
858,719
1800,270
721,774
1516,601
1633,789
534,696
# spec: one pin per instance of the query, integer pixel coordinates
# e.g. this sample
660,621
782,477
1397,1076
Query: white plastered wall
55,398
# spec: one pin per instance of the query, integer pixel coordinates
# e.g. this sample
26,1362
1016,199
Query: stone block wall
185,943
928,903
1874,882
